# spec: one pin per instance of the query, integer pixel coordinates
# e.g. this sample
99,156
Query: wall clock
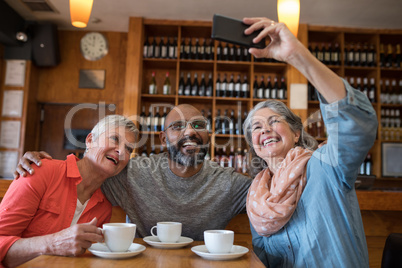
94,46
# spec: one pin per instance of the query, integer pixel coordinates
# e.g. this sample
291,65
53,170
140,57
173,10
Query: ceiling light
80,10
289,13
21,36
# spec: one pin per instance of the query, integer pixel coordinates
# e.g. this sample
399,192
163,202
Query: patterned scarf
271,201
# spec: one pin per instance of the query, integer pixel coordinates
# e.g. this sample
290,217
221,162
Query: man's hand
24,164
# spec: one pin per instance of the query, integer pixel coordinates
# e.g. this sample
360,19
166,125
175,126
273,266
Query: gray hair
113,121
306,140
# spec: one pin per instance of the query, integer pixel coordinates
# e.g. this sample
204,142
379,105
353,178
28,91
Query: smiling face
272,136
186,136
110,152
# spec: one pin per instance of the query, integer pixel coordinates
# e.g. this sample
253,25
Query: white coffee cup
119,236
219,241
167,232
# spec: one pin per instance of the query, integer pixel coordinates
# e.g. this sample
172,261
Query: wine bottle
163,48
368,165
226,52
173,49
219,51
224,86
202,49
187,47
152,48
371,56
145,48
238,160
327,53
218,122
282,89
157,121
207,50
365,87
194,50
261,87
356,55
195,86
182,45
239,53
363,55
237,87
152,85
212,49
163,119
187,87
382,55
157,51
208,91
232,55
230,87
202,88
274,91
231,162
149,119
336,55
232,122
181,84
268,88
320,53
225,123
142,119
351,56
166,85
209,119
238,122
245,92
218,86
255,87
389,57
398,57
372,90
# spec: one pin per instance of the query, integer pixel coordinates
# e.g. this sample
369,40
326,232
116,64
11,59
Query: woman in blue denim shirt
302,204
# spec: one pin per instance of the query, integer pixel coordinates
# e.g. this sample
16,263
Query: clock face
94,46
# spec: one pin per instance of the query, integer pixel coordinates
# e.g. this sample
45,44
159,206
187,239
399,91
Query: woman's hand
283,43
75,240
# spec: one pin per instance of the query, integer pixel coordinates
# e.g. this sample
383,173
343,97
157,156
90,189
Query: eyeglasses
197,125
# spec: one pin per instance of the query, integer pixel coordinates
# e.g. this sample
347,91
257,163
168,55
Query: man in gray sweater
178,185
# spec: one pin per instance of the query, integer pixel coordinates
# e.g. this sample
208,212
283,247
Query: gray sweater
149,192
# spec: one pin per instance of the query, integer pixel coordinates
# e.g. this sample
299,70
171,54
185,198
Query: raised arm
284,46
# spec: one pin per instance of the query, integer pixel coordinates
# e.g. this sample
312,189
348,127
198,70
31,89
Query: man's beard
186,160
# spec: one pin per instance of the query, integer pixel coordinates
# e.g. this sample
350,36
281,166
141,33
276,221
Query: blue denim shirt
326,230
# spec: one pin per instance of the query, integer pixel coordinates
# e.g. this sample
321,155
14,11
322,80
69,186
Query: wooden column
133,76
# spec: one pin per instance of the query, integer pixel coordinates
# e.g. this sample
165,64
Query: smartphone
231,30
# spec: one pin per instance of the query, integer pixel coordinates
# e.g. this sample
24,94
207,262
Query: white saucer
235,252
101,250
155,242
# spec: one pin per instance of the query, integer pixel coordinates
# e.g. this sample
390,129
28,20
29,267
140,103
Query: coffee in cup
167,232
219,241
119,236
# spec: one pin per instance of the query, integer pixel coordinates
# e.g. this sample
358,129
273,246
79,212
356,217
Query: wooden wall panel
59,84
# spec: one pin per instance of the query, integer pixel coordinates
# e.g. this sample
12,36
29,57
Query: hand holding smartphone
231,30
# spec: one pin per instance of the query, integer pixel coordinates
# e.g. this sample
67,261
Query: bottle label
164,52
280,94
244,87
171,52
273,94
166,89
152,89
145,51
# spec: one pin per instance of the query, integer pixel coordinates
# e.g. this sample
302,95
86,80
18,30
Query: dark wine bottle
208,91
237,87
268,88
195,86
202,87
187,87
181,84
245,91
145,48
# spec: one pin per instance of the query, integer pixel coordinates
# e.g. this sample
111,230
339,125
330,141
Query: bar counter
151,257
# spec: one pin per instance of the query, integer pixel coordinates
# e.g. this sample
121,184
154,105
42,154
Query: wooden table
151,257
